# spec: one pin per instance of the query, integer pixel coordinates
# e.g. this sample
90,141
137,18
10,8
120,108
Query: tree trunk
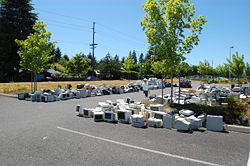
171,98
162,90
31,83
179,90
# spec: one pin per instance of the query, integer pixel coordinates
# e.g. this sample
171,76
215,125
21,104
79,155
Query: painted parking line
137,147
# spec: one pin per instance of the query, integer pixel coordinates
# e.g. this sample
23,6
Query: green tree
34,51
66,57
58,55
134,56
247,70
205,68
222,70
109,67
184,69
237,65
79,65
171,31
194,70
128,66
16,22
141,58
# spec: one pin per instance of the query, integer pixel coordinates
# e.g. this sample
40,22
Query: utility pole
230,58
93,46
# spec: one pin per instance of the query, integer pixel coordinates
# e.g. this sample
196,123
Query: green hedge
233,113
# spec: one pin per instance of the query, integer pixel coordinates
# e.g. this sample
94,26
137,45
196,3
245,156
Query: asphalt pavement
50,134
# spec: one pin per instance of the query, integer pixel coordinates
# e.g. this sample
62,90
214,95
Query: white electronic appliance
186,112
153,122
87,112
110,117
105,106
63,96
182,124
195,123
21,96
78,110
156,107
138,120
76,94
98,116
44,98
33,97
214,123
51,98
82,92
124,116
168,121
158,114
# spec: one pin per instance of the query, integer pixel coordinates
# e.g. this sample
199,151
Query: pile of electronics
138,115
209,95
82,91
155,83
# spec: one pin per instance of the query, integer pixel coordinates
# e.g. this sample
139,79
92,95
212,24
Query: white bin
214,123
153,122
168,121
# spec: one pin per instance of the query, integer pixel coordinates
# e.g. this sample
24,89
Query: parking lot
50,134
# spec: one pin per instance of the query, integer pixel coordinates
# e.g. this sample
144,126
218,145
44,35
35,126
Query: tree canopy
34,51
79,65
236,65
16,22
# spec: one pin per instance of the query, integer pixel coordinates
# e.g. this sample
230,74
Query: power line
56,21
62,15
124,35
68,27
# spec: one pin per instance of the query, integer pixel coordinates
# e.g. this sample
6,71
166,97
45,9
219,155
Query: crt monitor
98,117
121,115
108,115
158,116
86,112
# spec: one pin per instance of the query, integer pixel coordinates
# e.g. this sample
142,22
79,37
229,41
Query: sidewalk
6,95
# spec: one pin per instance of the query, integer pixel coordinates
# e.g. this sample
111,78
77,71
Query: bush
233,113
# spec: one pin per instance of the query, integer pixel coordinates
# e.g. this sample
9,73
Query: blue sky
118,27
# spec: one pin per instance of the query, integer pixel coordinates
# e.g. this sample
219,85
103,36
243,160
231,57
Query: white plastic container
138,120
156,107
168,121
153,122
182,124
214,123
186,112
195,123
82,92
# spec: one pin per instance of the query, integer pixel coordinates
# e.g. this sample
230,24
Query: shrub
233,113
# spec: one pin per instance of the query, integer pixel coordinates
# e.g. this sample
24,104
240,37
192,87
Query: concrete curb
236,128
6,95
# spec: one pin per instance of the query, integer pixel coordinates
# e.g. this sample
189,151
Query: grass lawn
15,88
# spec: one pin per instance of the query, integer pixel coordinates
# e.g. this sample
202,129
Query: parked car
185,83
92,78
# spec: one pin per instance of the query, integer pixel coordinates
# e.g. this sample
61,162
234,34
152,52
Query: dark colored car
92,78
184,83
